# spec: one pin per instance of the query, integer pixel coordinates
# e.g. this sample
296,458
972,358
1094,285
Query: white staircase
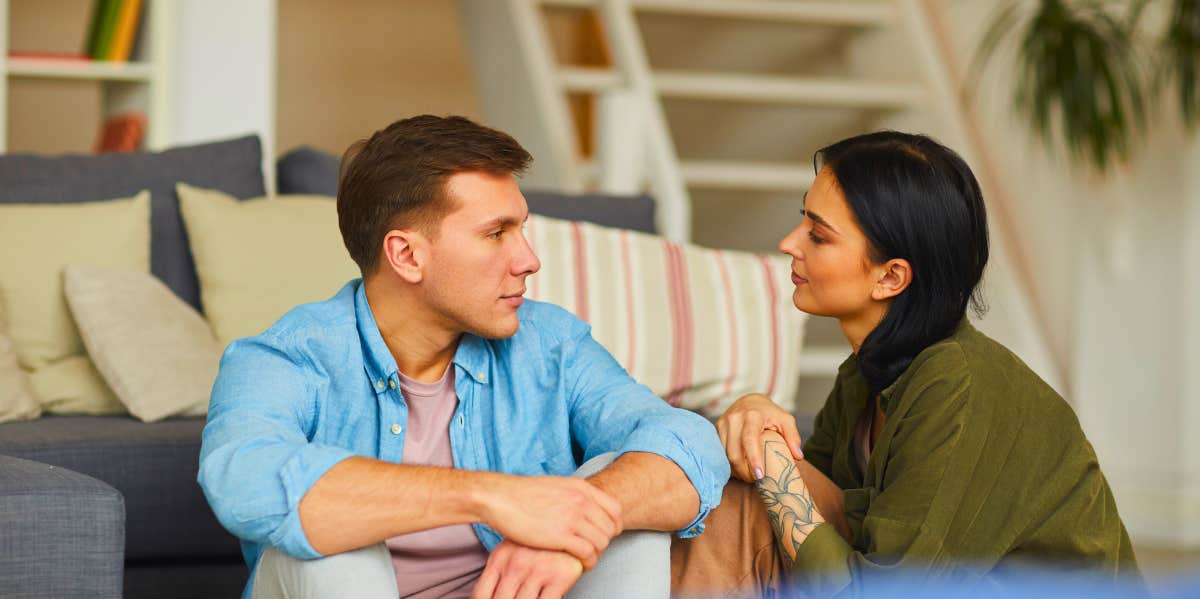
525,88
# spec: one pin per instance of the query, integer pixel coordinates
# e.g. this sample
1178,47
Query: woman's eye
496,235
814,238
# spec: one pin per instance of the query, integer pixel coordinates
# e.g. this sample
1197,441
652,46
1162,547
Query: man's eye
496,234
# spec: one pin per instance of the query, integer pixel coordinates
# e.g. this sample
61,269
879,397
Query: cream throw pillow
36,242
154,350
16,398
257,259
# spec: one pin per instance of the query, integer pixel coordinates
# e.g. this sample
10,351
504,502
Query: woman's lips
514,300
798,280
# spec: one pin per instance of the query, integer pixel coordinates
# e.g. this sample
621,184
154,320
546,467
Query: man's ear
405,253
895,276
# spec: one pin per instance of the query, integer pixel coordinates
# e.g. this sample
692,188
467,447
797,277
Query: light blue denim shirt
320,386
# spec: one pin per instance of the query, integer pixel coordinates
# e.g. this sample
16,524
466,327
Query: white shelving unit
143,84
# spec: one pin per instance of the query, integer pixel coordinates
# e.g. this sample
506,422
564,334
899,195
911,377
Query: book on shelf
127,26
122,133
113,29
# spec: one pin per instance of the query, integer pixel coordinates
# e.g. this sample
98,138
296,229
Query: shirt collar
473,355
377,358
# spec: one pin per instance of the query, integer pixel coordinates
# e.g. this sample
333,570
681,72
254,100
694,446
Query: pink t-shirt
439,562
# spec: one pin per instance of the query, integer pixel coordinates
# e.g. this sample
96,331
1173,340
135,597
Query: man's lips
515,299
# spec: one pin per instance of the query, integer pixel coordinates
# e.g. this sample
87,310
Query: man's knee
365,572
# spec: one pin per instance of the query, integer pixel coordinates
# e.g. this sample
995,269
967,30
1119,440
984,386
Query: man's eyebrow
820,221
502,222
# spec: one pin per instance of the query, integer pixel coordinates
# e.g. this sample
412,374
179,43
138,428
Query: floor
1164,568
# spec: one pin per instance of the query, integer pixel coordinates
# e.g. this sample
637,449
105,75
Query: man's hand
514,570
555,513
741,430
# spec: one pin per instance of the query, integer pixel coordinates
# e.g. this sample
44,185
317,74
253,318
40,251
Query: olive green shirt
980,468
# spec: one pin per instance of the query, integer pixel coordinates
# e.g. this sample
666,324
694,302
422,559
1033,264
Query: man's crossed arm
554,527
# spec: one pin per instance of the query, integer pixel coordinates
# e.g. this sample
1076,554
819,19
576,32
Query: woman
938,455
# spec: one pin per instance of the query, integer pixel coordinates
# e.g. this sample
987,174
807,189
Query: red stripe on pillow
689,331
673,391
773,298
731,315
627,270
581,299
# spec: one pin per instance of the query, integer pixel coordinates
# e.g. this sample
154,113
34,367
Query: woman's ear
895,276
404,253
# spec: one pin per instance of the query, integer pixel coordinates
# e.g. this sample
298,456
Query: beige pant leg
365,573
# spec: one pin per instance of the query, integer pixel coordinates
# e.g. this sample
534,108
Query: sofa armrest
63,533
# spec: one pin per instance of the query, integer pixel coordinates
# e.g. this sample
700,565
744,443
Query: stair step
727,174
826,12
589,79
822,361
789,90
754,88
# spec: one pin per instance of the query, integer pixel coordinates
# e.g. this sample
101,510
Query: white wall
224,73
1117,259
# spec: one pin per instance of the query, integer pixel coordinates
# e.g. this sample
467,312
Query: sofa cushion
63,533
33,254
635,213
153,465
16,397
155,352
244,297
233,166
307,170
699,327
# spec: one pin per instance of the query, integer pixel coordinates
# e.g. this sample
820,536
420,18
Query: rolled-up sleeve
256,459
612,412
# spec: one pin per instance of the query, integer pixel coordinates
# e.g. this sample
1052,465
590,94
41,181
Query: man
416,433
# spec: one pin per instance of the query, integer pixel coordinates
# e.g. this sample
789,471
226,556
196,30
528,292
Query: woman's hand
741,430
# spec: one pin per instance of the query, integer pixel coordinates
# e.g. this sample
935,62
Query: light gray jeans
636,564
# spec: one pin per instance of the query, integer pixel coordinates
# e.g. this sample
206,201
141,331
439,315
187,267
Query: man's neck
422,348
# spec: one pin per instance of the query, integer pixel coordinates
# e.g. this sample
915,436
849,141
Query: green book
108,26
89,46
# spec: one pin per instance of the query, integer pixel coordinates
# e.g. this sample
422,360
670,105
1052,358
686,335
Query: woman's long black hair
918,200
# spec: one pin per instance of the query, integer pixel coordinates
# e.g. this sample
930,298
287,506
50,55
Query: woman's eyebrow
817,219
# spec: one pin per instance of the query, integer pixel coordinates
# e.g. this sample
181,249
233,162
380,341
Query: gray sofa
108,506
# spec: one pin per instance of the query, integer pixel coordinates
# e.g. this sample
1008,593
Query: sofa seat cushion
153,465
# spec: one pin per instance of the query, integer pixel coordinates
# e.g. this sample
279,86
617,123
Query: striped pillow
700,327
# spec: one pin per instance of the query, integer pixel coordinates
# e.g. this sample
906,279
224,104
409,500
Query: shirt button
396,428
482,377
379,384
392,384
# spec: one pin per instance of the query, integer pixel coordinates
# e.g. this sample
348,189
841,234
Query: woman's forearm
790,505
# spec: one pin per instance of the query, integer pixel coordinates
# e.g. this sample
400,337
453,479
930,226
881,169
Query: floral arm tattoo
790,506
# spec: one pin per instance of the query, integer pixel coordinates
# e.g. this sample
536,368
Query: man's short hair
396,178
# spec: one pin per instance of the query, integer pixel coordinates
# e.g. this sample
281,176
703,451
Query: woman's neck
857,327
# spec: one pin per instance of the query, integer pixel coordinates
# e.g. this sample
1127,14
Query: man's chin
500,329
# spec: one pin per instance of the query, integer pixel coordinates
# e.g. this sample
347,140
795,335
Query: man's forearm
361,501
653,491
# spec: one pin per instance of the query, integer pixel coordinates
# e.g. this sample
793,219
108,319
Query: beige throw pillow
36,242
16,398
154,350
257,259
